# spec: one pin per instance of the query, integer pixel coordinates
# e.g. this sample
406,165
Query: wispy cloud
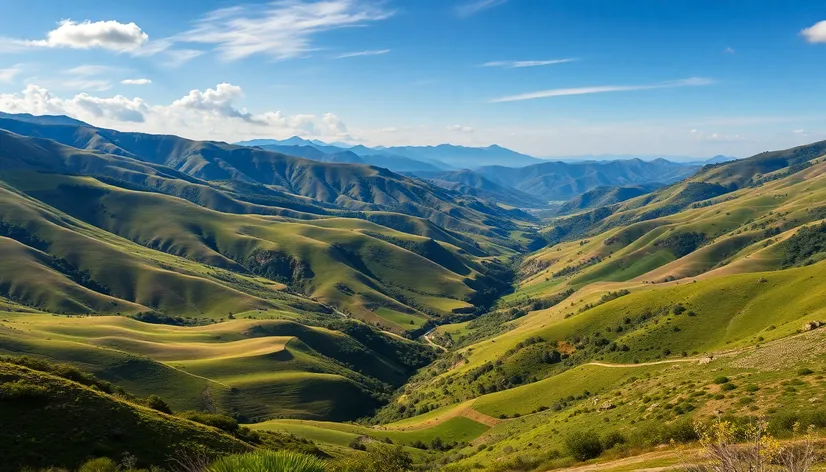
136,82
563,92
7,75
815,33
476,6
371,52
729,50
284,29
519,64
90,70
460,128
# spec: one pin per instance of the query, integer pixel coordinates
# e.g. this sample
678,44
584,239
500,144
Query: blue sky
546,77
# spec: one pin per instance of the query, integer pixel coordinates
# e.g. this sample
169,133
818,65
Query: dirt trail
629,461
643,364
427,339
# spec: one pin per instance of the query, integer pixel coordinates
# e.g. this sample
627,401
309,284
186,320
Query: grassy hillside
253,369
256,249
256,174
559,181
468,182
51,421
629,329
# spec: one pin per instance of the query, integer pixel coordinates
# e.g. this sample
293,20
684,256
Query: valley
340,308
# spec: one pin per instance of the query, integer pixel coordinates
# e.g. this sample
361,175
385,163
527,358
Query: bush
104,464
721,380
728,387
222,422
357,444
157,403
268,461
613,438
805,371
583,445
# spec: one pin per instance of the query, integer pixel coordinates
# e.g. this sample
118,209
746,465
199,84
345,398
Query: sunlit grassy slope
256,369
138,236
644,298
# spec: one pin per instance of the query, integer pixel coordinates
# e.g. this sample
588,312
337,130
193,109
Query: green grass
191,262
100,425
255,369
572,383
458,429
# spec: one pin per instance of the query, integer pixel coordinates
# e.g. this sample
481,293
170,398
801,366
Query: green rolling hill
349,305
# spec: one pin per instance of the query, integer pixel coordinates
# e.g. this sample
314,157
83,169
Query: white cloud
136,82
729,50
213,113
519,64
217,101
690,82
335,125
476,6
815,33
112,35
282,30
460,128
373,52
38,101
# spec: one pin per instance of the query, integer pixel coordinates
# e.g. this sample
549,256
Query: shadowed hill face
259,174
395,270
604,196
471,183
101,424
554,181
712,181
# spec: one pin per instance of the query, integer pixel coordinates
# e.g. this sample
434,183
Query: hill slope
555,181
471,183
89,423
257,174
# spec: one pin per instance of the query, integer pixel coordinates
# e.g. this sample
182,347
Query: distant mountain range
412,158
498,174
616,157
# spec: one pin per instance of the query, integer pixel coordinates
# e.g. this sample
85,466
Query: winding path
427,339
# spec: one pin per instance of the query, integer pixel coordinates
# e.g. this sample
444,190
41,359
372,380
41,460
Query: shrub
721,379
268,461
613,438
357,444
583,445
157,403
805,371
222,422
728,387
104,464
